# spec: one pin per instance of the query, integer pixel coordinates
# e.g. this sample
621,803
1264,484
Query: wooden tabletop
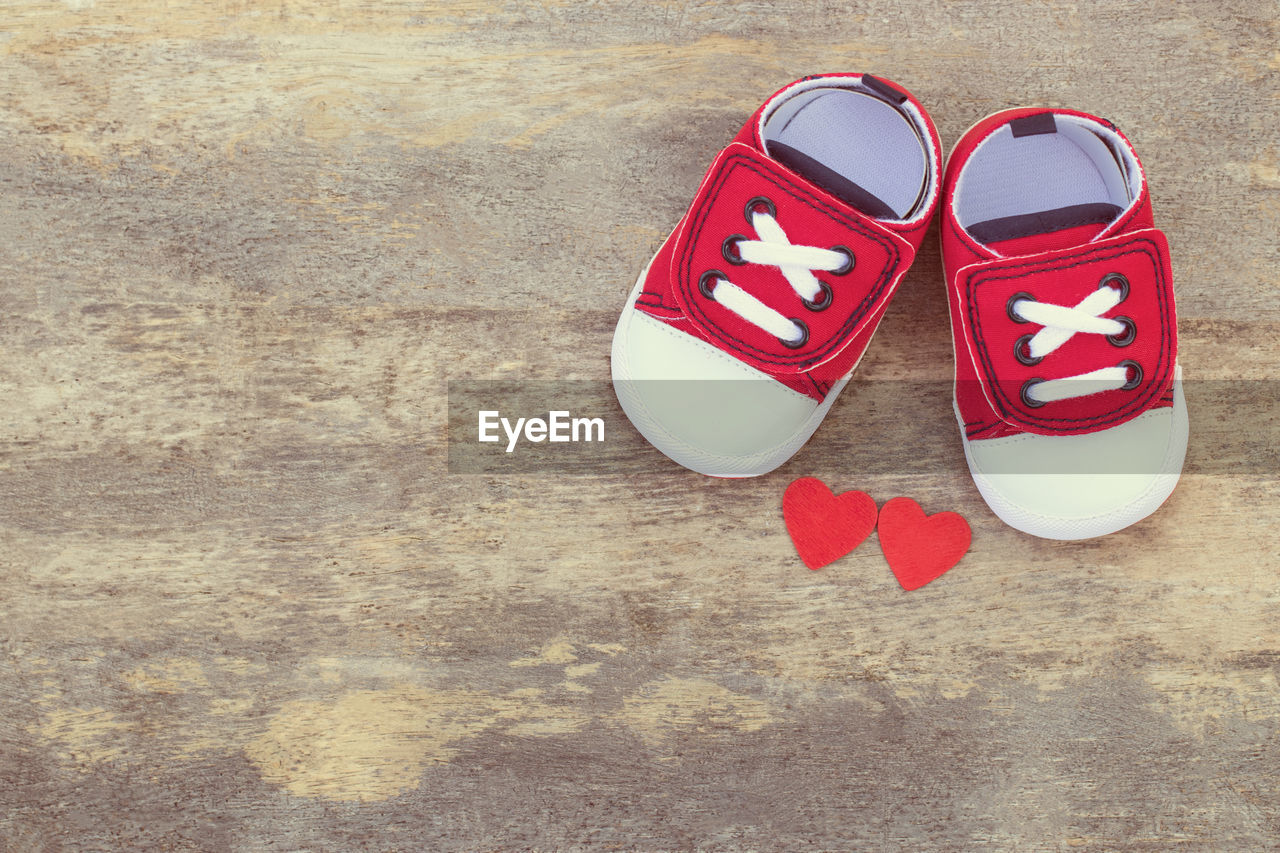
246,604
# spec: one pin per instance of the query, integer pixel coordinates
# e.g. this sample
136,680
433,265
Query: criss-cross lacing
1061,323
797,264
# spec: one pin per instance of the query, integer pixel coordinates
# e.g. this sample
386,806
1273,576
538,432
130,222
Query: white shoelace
1061,324
797,264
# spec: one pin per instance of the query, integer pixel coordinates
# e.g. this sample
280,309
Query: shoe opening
855,144
1043,174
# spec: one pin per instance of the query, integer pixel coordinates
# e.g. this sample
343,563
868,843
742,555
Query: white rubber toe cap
702,407
1081,486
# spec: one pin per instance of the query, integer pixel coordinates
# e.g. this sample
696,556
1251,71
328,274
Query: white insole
1010,176
860,137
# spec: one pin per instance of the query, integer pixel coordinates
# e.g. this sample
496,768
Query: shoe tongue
854,145
1045,231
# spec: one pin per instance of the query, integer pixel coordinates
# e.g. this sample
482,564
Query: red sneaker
769,289
1068,390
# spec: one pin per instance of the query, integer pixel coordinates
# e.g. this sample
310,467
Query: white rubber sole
1086,487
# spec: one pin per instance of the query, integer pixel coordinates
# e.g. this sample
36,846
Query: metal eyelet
1024,343
1126,337
729,248
1137,374
1027,400
804,335
1117,279
705,282
769,207
849,263
1008,306
824,302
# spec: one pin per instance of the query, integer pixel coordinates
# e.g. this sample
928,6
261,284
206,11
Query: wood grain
244,605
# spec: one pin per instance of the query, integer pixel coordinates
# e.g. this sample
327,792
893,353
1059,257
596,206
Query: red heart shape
825,526
919,548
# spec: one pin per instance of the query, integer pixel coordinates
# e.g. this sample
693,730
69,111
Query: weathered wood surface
243,604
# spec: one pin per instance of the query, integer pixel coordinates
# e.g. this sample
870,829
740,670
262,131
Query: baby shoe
748,322
1068,391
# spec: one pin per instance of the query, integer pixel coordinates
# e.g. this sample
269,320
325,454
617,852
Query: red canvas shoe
753,314
1068,390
